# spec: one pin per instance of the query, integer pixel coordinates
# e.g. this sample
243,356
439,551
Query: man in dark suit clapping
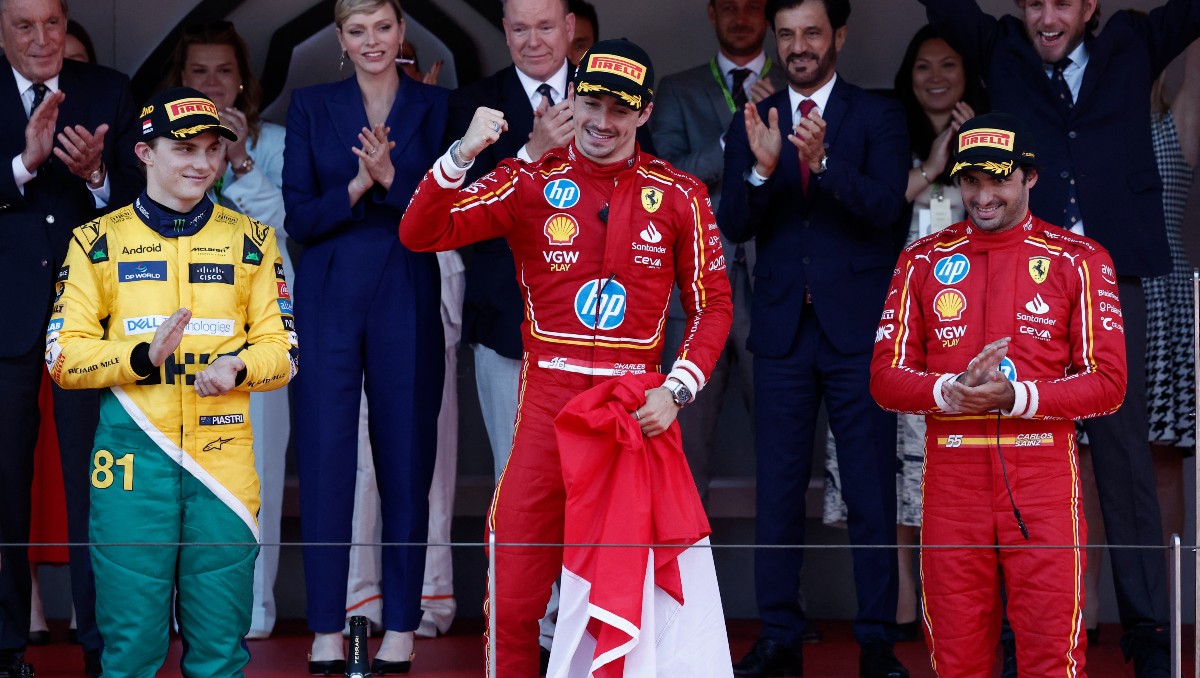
825,204
692,110
68,130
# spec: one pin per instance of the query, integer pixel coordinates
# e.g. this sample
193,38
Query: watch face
683,395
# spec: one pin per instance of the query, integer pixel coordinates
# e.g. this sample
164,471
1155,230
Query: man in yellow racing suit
178,308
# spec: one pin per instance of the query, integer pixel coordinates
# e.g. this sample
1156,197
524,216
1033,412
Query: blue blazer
1105,139
35,227
841,241
357,248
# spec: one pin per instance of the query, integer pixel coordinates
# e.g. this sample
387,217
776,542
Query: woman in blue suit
368,311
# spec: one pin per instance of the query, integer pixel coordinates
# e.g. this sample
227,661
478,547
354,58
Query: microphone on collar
603,214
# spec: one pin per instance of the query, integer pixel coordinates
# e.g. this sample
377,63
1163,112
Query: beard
808,70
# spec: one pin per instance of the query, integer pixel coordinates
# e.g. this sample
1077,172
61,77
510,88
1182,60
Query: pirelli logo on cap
611,63
991,138
181,107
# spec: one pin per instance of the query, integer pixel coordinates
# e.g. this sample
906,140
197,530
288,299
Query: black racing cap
181,113
618,68
996,143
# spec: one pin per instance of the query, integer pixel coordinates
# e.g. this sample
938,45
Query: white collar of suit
819,97
755,65
23,83
557,82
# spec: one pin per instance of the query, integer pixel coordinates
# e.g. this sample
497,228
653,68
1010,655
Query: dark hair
838,10
920,130
221,33
76,30
582,9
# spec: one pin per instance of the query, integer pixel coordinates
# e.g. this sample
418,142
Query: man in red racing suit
600,231
1001,467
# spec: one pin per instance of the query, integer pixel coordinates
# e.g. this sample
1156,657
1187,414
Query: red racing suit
597,250
1055,294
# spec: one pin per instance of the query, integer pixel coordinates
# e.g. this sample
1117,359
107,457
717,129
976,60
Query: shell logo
949,305
561,229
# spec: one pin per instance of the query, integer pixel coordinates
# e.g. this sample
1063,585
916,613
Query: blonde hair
343,9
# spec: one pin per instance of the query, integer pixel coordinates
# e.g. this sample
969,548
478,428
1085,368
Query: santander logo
1037,306
650,234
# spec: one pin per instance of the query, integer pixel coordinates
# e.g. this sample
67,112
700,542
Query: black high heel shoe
383,667
331,667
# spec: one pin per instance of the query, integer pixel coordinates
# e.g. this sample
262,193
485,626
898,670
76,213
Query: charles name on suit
826,206
68,129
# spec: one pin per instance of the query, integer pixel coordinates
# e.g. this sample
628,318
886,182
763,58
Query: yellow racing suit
170,468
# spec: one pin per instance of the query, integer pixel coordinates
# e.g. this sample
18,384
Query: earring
342,63
241,88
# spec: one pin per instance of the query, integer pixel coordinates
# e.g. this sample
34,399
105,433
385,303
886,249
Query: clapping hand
553,127
39,132
219,377
168,335
374,161
982,387
808,136
765,139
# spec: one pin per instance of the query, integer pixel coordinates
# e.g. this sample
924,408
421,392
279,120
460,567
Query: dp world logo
562,193
952,269
600,304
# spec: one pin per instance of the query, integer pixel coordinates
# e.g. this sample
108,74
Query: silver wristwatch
680,394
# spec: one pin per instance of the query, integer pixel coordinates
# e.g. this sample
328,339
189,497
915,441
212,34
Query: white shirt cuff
21,176
1025,404
755,178
523,154
938,398
446,173
102,194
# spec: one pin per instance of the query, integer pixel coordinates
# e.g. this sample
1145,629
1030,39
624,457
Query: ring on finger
637,414
495,126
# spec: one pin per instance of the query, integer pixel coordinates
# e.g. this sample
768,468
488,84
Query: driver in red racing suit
1001,467
600,231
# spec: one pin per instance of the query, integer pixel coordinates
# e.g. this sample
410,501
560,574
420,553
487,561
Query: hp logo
600,304
562,193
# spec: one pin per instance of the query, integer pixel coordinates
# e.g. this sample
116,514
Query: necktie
39,95
544,90
739,86
806,107
1059,83
1072,213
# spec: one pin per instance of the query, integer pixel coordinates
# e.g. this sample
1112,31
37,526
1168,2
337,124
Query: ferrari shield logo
1039,268
651,198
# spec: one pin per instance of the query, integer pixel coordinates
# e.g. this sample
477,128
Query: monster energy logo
178,224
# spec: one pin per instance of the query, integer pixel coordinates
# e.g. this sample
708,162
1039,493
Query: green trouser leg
216,586
141,495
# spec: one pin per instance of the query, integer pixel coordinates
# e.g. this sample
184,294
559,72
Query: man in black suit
68,129
826,206
532,94
1086,98
692,111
